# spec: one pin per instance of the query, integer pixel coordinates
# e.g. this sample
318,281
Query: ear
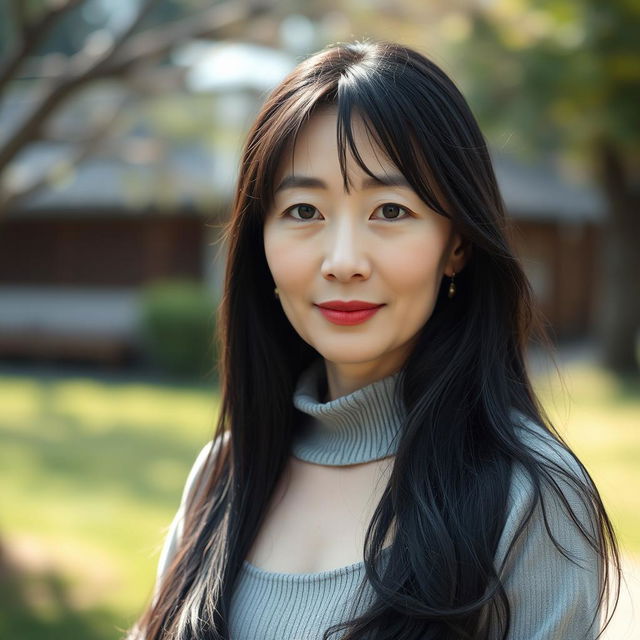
459,253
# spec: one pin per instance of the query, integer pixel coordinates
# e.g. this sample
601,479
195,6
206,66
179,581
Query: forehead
316,149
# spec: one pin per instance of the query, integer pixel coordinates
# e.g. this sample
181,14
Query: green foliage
557,73
178,327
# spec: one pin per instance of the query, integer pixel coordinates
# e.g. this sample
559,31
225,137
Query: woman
383,464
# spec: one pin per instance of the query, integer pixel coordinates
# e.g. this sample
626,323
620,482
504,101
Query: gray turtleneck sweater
551,597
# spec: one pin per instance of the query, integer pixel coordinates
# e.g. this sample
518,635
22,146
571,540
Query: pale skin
334,245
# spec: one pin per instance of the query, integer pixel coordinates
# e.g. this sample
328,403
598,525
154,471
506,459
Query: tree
57,75
566,76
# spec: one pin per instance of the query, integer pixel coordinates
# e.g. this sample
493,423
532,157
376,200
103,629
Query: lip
350,305
341,317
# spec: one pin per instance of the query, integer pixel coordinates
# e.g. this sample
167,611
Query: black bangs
386,119
386,101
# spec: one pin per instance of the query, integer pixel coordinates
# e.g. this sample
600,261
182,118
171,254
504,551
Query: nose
346,255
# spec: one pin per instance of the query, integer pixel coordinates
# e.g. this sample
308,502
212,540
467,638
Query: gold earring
452,286
276,292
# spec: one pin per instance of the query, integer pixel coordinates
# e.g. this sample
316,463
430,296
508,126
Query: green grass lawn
91,473
598,415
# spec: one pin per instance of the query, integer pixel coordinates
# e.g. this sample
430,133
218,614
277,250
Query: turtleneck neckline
361,426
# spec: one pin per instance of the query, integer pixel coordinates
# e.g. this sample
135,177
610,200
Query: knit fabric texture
359,427
551,597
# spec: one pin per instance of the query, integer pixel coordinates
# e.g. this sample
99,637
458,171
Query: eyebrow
292,182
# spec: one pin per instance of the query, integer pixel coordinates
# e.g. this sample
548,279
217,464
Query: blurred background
121,124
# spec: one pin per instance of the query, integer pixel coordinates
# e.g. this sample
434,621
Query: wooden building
72,262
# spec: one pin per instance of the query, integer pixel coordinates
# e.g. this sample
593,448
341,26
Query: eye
305,211
390,211
393,211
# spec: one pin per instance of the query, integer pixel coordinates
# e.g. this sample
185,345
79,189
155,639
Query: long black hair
461,383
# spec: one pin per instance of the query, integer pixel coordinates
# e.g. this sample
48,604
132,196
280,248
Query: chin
347,356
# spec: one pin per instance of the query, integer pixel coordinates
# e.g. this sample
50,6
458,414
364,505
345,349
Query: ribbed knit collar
358,427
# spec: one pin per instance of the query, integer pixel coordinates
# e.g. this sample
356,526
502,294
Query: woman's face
380,244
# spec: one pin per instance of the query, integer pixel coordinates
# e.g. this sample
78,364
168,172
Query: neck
357,427
343,379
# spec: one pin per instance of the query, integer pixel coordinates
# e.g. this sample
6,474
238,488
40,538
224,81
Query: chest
318,516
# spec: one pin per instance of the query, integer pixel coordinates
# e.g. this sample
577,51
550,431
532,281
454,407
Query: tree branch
30,129
32,36
10,200
142,48
143,12
158,42
88,59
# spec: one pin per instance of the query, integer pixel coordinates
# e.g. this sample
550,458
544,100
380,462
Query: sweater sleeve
550,596
174,534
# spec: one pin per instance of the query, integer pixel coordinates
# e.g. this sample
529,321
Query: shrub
178,327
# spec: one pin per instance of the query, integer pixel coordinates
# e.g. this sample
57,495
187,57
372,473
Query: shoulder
174,536
564,478
547,555
202,464
201,467
544,444
553,591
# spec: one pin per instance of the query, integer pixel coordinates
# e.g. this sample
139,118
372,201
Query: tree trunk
618,321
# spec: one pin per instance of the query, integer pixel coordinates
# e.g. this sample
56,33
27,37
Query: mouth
346,317
351,305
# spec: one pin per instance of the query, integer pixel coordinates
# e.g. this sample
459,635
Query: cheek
413,267
288,261
415,284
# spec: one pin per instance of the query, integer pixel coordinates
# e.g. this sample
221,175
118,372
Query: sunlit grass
91,473
599,417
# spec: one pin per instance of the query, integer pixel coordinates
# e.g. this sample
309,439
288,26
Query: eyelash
286,212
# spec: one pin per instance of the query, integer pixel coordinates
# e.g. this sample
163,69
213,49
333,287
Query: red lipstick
348,312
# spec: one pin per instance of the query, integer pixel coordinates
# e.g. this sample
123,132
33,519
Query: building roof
539,191
185,179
